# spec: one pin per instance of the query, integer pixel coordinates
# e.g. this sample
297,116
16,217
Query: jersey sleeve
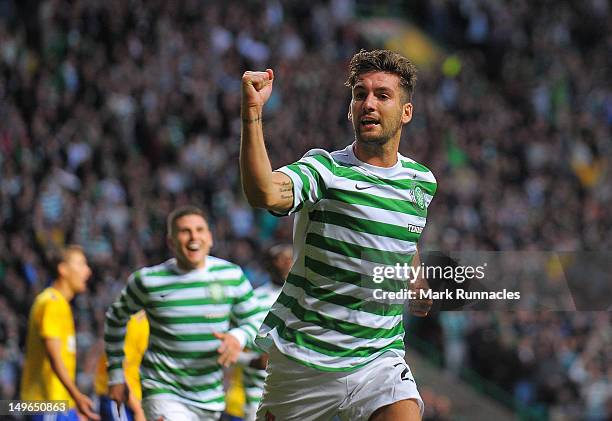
311,176
430,190
52,313
132,299
245,313
264,301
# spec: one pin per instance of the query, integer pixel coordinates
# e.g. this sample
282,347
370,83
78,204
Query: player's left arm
419,306
53,348
245,313
133,298
137,337
135,405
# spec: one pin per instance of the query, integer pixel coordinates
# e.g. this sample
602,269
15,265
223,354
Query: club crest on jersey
419,197
216,291
416,196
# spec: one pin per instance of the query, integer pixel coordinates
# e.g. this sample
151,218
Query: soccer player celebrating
334,349
278,262
189,302
50,361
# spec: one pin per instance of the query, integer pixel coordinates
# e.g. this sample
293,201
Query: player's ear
406,113
350,112
210,239
61,269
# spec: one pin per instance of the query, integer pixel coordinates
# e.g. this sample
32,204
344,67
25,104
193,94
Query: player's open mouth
369,123
193,246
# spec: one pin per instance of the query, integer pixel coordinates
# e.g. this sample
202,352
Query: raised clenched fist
256,88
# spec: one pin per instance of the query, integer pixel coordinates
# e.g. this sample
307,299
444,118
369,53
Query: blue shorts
70,415
108,410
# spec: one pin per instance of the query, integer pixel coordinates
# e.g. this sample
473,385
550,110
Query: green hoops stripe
192,337
147,392
195,284
171,353
187,319
223,267
187,387
305,340
358,279
366,199
184,372
358,252
343,327
352,303
191,302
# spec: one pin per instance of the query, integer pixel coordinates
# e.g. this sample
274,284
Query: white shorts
172,410
293,391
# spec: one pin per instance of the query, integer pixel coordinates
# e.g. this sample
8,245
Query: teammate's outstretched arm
263,187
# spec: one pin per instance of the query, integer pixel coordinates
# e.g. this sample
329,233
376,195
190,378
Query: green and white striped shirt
254,378
351,217
184,309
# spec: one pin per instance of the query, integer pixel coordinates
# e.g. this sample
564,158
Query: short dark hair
179,213
272,253
60,255
383,61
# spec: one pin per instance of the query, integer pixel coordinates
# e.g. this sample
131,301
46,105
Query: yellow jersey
235,396
50,317
136,342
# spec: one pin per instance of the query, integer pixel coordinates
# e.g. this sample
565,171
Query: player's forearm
420,281
134,404
255,168
53,349
416,260
419,306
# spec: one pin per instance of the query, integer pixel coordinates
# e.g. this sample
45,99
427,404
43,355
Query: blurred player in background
189,301
278,261
50,361
136,340
334,348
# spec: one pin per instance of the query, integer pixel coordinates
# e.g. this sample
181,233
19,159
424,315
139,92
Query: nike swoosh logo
358,187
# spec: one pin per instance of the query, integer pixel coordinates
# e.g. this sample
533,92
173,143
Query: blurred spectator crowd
113,113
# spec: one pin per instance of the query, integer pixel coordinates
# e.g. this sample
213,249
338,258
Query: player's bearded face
377,110
191,241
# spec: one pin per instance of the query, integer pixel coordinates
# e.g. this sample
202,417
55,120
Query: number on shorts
405,374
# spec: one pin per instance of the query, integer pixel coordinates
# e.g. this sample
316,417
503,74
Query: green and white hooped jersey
254,378
184,309
351,217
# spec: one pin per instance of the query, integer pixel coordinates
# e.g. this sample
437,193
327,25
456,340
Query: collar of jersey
174,267
382,171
